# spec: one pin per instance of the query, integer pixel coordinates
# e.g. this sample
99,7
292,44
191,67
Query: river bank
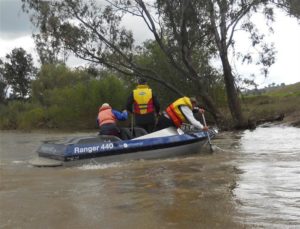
292,119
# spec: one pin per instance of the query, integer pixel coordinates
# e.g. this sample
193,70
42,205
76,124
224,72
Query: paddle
208,136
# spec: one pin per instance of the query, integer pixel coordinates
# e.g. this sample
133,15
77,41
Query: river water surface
252,180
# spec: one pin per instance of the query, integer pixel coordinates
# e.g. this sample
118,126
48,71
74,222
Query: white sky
15,32
286,38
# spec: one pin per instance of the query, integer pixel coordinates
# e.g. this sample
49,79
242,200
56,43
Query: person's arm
129,103
121,116
190,117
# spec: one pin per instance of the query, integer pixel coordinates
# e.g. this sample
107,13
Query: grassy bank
282,100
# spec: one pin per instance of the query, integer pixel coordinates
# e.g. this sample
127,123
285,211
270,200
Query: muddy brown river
252,180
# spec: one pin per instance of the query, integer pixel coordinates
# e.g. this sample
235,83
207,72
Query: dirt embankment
288,119
292,119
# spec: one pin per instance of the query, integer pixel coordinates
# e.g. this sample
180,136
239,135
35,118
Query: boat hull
170,152
109,149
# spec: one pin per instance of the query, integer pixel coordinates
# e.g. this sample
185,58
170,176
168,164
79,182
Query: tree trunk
232,95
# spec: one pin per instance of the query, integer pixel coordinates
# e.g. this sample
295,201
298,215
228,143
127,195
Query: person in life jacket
179,112
107,120
144,105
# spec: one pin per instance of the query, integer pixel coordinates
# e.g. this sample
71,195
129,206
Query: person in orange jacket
179,112
107,120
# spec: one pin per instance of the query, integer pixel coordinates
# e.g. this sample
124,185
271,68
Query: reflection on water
252,180
268,190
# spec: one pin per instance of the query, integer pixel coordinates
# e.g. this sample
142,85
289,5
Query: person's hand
205,128
201,111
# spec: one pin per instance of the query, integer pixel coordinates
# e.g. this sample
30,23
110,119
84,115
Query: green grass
284,100
286,91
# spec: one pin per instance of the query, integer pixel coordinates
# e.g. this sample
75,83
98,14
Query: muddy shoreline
292,119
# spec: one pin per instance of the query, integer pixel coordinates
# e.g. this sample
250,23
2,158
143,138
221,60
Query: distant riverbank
292,119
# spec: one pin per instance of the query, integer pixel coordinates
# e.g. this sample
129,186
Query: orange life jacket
106,116
143,102
175,113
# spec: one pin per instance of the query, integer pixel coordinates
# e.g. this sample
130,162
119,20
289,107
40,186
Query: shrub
33,118
64,99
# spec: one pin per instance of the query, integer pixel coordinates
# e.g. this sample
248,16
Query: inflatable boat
169,142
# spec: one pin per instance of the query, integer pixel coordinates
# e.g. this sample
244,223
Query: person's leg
163,123
150,127
146,121
109,129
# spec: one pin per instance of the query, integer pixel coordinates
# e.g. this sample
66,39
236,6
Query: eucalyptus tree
227,17
93,33
184,37
90,30
292,7
214,23
175,27
18,71
186,28
189,32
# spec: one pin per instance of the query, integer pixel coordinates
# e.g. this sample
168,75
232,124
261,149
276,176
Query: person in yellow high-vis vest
144,105
179,112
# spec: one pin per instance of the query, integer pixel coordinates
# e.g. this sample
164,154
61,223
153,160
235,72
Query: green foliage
94,32
3,90
218,93
78,105
11,114
18,72
90,30
64,98
189,33
290,6
53,76
152,57
32,118
3,83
